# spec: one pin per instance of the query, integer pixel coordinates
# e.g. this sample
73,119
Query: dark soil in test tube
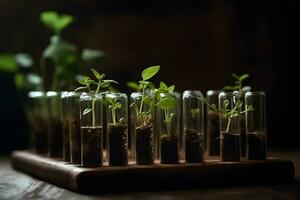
213,131
40,135
118,145
194,146
144,145
243,134
75,141
169,149
55,136
91,149
257,146
231,149
66,141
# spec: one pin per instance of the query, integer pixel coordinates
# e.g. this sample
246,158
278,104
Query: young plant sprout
114,107
229,113
117,136
238,84
229,109
168,130
240,89
142,127
100,83
143,118
166,103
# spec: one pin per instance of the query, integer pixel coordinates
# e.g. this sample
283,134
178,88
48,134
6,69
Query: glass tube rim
88,97
255,93
116,95
192,93
36,94
213,92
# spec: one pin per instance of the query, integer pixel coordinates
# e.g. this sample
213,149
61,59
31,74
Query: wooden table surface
16,185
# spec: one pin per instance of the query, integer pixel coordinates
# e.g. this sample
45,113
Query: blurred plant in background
60,61
58,65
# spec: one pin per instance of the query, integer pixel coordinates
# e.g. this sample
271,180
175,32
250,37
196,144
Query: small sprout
56,22
229,113
238,83
100,83
144,117
134,86
166,103
114,106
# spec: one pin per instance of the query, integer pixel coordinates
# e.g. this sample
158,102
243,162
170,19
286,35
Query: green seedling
114,106
227,113
100,83
166,103
238,83
143,117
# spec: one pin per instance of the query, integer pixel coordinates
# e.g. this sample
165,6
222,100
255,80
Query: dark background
198,44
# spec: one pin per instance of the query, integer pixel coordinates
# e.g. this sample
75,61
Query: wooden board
157,176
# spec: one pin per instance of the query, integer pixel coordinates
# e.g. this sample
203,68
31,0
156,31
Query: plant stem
141,107
93,104
113,113
228,125
167,121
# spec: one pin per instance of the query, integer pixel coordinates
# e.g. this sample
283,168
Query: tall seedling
100,83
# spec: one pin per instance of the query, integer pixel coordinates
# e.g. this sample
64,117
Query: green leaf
104,85
244,76
226,103
234,115
228,87
83,81
86,111
163,85
90,55
89,81
19,80
110,81
150,72
61,51
8,63
96,74
49,19
246,88
194,112
63,22
167,103
214,107
110,100
203,99
133,85
118,106
239,103
236,76
112,89
54,21
171,88
80,88
148,100
24,60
